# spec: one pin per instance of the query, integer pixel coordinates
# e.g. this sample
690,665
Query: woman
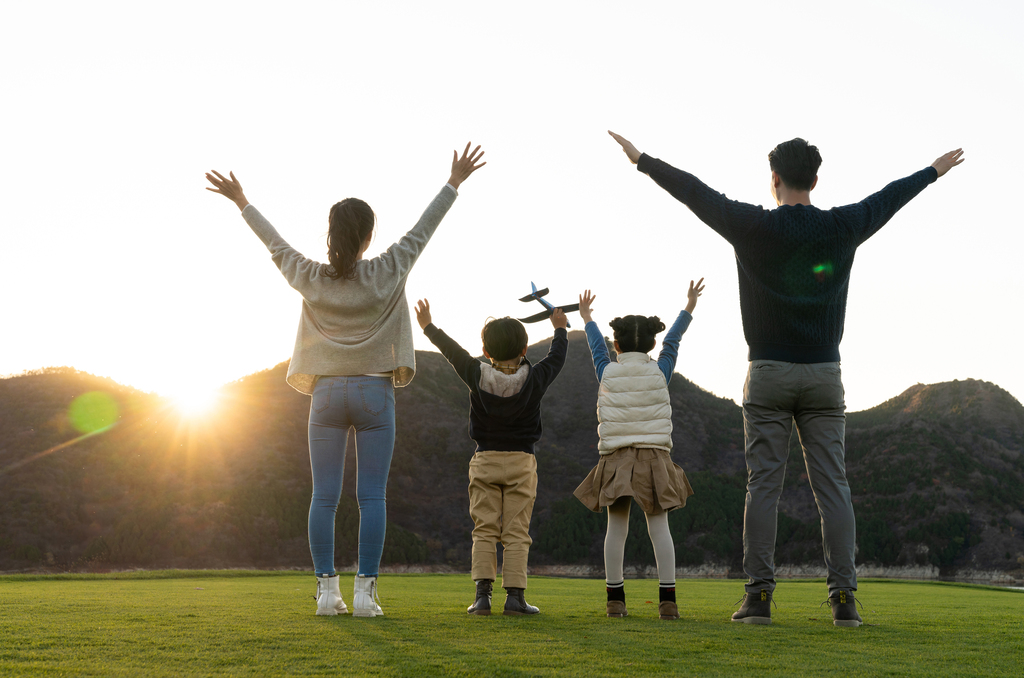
353,347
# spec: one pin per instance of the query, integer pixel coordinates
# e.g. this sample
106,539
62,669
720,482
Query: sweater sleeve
400,257
295,268
670,345
466,366
598,348
729,218
865,218
549,367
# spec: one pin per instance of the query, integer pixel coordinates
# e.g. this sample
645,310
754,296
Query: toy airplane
549,309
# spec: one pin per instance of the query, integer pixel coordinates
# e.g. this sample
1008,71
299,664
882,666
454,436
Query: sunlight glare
196,401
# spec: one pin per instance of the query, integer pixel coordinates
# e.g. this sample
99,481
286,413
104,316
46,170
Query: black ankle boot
844,608
756,608
515,603
482,604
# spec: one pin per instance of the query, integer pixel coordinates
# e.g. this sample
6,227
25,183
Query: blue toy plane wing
536,295
543,315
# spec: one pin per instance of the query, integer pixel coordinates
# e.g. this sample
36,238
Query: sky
119,263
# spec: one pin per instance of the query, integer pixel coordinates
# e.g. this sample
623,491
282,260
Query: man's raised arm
729,218
867,217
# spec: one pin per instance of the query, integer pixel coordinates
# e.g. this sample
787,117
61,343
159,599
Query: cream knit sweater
352,327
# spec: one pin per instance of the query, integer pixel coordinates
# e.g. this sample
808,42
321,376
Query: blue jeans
366,404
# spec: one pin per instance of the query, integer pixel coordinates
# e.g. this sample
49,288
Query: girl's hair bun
636,332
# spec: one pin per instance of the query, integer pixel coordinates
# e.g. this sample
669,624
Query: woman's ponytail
351,221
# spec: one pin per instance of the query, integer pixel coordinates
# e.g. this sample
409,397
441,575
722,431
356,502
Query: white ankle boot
328,596
365,602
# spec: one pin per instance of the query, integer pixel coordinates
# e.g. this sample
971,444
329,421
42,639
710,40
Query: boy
504,420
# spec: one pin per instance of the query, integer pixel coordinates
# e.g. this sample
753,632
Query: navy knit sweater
509,424
794,261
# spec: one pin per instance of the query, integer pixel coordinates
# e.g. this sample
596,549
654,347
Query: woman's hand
627,148
693,293
423,313
230,189
586,299
464,166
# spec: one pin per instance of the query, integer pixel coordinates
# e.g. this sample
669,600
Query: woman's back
359,325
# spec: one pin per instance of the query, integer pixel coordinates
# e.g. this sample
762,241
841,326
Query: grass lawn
251,623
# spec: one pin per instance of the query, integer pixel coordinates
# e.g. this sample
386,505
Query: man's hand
423,313
558,319
692,294
946,162
586,299
230,189
464,166
627,148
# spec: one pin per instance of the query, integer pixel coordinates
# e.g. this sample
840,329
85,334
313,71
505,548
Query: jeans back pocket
374,397
322,395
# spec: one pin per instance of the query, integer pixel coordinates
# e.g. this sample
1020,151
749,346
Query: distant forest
95,475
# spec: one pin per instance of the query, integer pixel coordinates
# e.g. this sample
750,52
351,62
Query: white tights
615,542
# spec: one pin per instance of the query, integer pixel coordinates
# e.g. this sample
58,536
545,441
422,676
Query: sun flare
196,402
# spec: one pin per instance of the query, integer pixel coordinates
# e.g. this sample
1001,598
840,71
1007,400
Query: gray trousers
775,395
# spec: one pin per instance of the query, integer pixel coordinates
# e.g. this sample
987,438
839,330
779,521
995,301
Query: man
794,271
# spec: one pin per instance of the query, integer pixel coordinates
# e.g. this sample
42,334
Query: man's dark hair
636,332
796,162
504,338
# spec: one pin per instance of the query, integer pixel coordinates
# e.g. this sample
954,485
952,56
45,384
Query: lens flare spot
822,271
93,411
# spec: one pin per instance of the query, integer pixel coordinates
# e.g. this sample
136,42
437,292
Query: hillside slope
937,475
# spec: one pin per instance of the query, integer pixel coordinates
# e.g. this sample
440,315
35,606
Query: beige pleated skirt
646,474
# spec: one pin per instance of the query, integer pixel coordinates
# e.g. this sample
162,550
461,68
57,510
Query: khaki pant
502,489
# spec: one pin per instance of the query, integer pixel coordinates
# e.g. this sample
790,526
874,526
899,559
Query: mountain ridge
937,474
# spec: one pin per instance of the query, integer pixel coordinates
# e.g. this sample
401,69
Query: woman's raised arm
400,257
229,188
464,166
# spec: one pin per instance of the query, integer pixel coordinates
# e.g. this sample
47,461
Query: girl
354,346
635,428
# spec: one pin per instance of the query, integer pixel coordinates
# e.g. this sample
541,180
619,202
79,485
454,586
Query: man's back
794,262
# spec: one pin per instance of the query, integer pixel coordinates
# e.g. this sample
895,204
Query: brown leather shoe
617,608
668,610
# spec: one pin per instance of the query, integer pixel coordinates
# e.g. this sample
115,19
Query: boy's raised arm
548,367
466,366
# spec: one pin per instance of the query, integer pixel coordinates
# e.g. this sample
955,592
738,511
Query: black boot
844,608
516,604
756,609
482,604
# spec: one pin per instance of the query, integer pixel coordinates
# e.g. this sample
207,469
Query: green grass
245,623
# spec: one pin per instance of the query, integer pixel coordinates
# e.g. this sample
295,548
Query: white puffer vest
633,406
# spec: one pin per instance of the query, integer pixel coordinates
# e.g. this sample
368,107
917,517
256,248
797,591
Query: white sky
119,263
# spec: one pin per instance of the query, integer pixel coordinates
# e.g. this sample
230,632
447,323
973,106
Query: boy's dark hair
504,338
636,332
796,162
